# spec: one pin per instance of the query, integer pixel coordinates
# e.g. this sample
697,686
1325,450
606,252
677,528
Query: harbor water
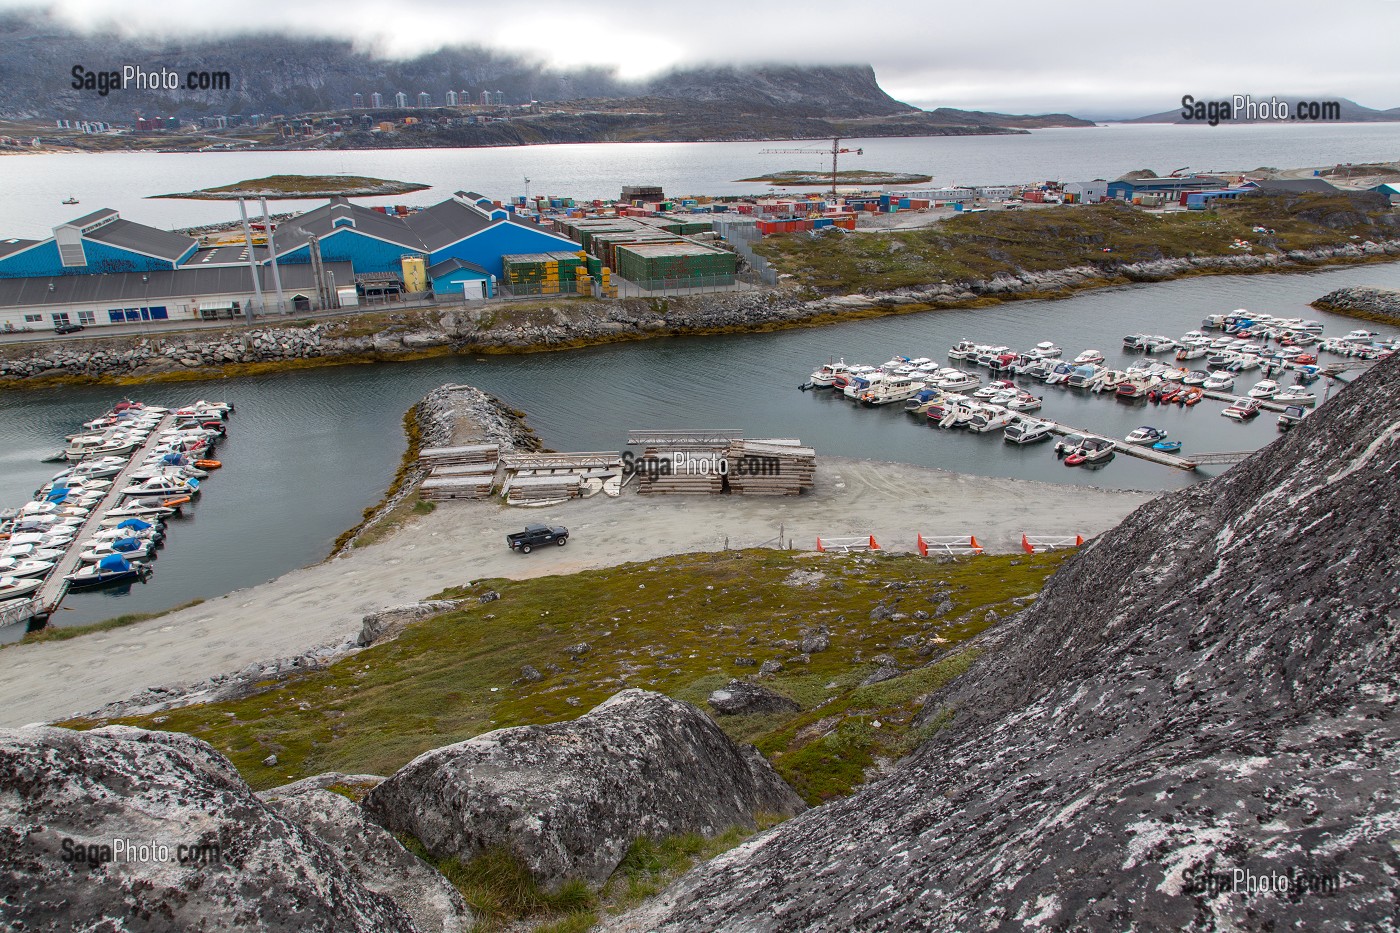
37,184
308,451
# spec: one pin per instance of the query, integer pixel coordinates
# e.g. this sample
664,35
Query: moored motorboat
1242,409
1167,447
24,567
1291,415
15,587
130,548
1026,431
163,486
1145,435
1089,356
826,374
1264,388
1046,350
1295,395
109,571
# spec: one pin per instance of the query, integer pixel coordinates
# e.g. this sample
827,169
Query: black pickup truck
536,536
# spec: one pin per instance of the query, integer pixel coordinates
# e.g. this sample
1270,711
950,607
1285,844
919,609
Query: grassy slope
979,246
674,625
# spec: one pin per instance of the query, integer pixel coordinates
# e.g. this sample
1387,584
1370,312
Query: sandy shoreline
463,541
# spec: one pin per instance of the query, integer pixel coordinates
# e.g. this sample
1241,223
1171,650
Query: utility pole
272,252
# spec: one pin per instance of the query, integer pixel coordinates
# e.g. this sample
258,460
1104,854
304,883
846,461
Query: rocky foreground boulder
124,829
568,799
1195,728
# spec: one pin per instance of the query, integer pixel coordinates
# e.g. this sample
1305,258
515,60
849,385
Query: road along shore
322,605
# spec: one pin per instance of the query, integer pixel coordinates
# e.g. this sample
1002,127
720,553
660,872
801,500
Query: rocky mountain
276,74
1350,110
1194,728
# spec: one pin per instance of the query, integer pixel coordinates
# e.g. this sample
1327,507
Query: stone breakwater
1373,303
450,414
524,327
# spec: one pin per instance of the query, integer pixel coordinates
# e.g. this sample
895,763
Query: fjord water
34,185
308,451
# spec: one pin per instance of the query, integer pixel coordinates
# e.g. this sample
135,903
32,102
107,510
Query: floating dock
55,588
1142,452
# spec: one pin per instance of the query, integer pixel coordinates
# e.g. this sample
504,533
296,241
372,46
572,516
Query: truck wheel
562,541
525,549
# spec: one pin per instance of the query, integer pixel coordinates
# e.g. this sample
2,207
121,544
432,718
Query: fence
684,285
21,610
740,238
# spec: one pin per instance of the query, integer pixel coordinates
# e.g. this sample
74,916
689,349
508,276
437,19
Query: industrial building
99,242
1171,188
162,295
1086,192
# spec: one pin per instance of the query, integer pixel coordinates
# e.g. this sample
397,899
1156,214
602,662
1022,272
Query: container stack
676,262
776,467
467,472
540,490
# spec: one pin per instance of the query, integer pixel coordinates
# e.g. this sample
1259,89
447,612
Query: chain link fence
740,237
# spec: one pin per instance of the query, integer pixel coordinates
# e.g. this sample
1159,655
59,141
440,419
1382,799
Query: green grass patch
680,625
977,247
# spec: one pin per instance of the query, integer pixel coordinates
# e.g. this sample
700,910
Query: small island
799,177
289,187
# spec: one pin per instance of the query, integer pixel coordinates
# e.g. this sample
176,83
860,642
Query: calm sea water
307,452
34,185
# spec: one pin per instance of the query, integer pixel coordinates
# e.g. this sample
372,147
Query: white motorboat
1109,380
994,388
1095,449
1046,350
1295,395
1190,352
893,389
1242,409
956,380
826,374
1145,435
110,570
965,349
1083,376
24,567
1026,431
59,538
130,548
1024,401
145,509
15,587
1089,356
986,418
30,552
163,486
1059,373
1264,388
1220,380
1157,343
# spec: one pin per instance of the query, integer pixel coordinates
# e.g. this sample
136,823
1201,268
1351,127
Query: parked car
67,328
536,536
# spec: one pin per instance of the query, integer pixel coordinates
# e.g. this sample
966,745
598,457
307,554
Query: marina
954,397
99,522
315,447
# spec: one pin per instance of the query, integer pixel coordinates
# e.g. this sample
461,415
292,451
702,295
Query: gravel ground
462,541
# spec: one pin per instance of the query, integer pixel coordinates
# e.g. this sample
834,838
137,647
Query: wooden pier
55,587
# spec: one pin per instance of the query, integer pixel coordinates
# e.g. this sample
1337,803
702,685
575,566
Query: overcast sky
1090,57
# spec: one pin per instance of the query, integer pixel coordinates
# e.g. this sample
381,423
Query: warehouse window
87,317
33,318
115,316
158,313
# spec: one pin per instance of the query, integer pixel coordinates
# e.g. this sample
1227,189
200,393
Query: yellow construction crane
836,151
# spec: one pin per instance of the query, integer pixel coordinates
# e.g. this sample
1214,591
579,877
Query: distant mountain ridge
276,74
1351,111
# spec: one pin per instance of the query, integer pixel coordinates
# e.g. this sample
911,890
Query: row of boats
115,544
953,397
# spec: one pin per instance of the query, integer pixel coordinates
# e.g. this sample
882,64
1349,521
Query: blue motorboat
110,570
1167,447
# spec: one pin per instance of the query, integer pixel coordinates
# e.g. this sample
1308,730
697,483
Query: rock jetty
1381,304
1194,728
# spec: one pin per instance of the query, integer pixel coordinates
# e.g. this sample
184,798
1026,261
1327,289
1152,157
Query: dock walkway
55,588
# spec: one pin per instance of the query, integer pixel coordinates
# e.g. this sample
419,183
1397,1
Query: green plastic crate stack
648,262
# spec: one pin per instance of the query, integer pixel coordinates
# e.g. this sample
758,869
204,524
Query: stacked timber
697,471
547,489
467,472
773,467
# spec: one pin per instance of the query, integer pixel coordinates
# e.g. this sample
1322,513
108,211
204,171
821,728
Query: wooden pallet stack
771,467
467,472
